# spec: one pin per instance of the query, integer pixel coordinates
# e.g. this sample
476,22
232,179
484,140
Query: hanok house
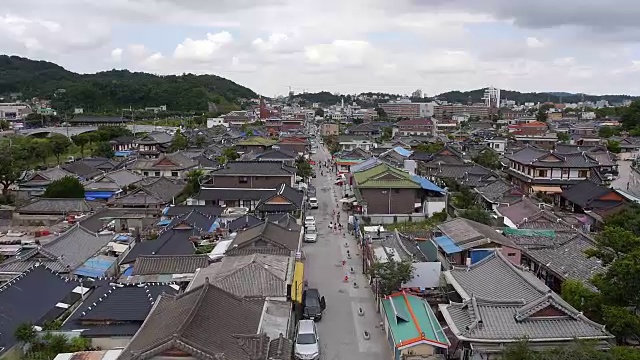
501,304
36,183
412,328
238,327
294,144
35,296
123,146
462,241
546,171
556,255
82,170
253,174
256,144
111,314
386,190
267,238
110,184
153,144
346,159
284,200
274,271
594,200
64,254
174,165
285,156
49,211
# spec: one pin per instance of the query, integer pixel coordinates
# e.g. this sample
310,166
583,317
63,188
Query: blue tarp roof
128,271
447,245
164,222
426,184
402,151
98,194
122,153
96,266
214,226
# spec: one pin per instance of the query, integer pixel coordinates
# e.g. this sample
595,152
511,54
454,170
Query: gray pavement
341,328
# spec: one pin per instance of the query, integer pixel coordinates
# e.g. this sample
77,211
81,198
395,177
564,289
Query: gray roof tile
467,233
169,264
258,168
57,206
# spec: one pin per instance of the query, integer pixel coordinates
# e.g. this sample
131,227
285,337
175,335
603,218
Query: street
341,328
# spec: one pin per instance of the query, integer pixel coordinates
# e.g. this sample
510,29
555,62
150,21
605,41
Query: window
542,173
157,173
511,254
397,191
145,173
583,173
174,174
565,172
243,179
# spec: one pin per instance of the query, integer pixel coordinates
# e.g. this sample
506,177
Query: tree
11,167
387,133
477,215
230,153
103,149
320,112
614,146
25,333
563,137
41,148
430,148
488,158
608,131
59,145
303,168
465,198
180,142
80,140
542,115
391,275
193,182
200,141
67,187
4,125
358,121
382,115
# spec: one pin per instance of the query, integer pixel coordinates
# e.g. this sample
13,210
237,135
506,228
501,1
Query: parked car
314,304
307,345
309,221
310,234
313,203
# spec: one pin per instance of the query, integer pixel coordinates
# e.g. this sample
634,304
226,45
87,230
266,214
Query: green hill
110,91
476,96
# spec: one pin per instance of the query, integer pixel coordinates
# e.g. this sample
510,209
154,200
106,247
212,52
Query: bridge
76,130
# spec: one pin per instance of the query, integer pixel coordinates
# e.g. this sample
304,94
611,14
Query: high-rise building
492,97
407,109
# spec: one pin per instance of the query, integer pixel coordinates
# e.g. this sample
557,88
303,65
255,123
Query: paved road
341,328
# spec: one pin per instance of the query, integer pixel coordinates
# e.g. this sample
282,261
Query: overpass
75,130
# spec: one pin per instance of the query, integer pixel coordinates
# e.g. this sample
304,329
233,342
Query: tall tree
488,158
103,149
80,140
180,142
391,275
59,145
25,333
303,168
67,187
11,167
230,153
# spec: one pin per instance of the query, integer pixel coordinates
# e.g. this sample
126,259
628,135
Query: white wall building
14,111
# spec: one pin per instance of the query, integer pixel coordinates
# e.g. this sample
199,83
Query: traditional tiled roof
166,162
169,264
232,194
586,194
500,191
504,302
35,296
549,159
162,187
271,203
157,137
45,177
115,310
272,234
467,234
255,168
63,254
385,176
170,242
519,211
56,206
256,275
82,169
206,322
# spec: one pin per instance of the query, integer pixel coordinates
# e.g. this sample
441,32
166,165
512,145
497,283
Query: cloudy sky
342,46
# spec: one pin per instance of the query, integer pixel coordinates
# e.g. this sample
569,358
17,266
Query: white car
309,221
310,234
313,203
307,346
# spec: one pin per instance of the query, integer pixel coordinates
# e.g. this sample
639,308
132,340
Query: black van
313,304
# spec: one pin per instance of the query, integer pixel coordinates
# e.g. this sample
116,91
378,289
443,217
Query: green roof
257,141
411,320
385,176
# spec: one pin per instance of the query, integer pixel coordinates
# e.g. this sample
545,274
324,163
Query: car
313,303
309,221
307,345
313,203
310,234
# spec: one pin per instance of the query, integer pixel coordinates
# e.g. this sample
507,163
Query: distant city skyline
347,47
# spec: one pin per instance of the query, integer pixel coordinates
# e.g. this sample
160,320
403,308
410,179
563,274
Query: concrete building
14,111
407,109
448,111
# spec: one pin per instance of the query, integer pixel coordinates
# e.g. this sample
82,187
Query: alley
341,328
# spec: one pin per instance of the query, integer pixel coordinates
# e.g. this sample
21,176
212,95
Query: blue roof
128,271
164,222
122,153
365,165
402,151
447,245
214,226
426,184
98,194
96,266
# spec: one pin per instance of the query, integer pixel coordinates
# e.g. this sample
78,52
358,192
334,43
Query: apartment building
14,111
447,111
407,109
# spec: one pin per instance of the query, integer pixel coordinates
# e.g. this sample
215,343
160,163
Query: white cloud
344,52
204,49
534,43
116,55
